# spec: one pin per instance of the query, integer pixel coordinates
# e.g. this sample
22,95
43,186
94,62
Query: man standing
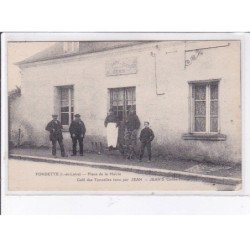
146,137
132,125
55,129
132,121
77,131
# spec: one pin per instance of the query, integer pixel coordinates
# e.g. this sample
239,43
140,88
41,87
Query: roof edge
24,62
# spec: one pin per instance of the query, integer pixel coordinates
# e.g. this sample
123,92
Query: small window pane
115,110
72,97
121,94
120,103
134,96
214,91
114,103
200,124
64,109
130,102
118,95
214,124
214,108
128,108
64,94
129,95
65,118
64,103
200,108
200,92
113,95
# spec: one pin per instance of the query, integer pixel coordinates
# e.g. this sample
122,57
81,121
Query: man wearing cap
55,129
77,131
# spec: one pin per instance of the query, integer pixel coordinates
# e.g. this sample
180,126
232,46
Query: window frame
125,98
70,89
208,116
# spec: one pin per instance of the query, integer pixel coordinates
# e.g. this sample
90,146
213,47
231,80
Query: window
66,104
122,100
204,107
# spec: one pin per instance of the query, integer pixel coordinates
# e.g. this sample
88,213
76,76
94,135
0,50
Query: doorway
122,100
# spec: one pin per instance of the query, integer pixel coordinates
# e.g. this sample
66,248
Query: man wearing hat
77,131
132,125
55,129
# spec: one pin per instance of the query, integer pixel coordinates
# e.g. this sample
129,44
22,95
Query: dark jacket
111,118
132,122
77,128
147,135
121,133
55,129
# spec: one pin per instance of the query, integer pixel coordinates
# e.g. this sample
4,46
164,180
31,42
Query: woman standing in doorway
111,123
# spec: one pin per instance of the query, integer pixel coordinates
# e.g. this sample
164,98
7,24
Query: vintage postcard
125,114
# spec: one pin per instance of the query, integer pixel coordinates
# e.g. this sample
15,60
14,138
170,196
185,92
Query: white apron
112,134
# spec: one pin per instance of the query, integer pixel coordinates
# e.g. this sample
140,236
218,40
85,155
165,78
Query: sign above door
124,66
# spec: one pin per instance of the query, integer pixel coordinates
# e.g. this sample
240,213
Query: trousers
60,142
74,142
146,145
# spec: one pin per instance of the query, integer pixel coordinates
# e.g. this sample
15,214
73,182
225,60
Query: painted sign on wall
124,66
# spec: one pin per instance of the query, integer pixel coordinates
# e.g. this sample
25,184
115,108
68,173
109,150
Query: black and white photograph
125,125
129,115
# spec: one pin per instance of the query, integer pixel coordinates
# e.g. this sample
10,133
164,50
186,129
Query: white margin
26,204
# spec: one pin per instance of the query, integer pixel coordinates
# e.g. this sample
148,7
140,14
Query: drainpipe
153,54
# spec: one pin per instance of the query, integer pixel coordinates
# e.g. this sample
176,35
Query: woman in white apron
111,123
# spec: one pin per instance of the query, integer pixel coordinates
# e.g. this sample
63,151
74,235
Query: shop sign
125,66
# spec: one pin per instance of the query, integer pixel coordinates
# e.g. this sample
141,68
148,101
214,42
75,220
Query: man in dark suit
77,131
132,121
132,125
146,137
55,129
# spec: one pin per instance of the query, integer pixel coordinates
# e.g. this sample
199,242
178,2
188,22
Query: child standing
146,136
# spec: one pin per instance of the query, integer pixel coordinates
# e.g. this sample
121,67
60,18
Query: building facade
189,91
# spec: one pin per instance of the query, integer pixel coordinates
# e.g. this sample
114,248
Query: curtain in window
122,100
